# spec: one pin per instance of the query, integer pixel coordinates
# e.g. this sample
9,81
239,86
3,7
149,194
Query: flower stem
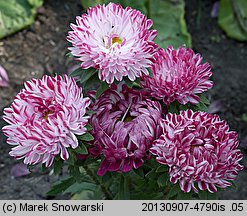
107,193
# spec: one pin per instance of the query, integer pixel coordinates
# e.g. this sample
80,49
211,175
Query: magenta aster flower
44,119
115,40
199,149
178,75
124,128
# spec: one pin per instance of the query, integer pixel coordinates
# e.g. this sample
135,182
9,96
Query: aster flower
124,128
44,119
115,40
178,75
199,150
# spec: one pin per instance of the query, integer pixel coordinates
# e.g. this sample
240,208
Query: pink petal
19,170
4,80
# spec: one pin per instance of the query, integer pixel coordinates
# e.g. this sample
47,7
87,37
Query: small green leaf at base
86,137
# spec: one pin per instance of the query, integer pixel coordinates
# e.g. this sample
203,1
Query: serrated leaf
61,186
16,15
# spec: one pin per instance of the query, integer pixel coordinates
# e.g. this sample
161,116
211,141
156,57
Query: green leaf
86,137
140,4
168,19
35,3
184,196
87,74
162,168
57,166
84,195
89,127
174,107
162,180
204,100
61,186
244,117
151,174
139,172
206,195
124,193
82,149
77,72
77,187
103,87
173,191
74,171
232,18
16,15
201,107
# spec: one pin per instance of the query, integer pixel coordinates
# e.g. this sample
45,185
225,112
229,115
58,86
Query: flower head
199,149
178,75
124,128
44,119
115,40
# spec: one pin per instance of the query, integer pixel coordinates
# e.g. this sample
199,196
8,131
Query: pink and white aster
124,128
178,75
44,119
115,40
199,150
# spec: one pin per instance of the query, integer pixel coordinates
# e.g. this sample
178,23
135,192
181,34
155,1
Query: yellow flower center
46,113
116,40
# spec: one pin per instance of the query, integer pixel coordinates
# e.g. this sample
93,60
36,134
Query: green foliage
124,187
232,18
16,15
86,137
176,107
57,165
168,18
167,15
206,195
82,149
61,186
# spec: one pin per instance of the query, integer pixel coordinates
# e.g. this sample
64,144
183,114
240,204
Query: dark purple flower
124,128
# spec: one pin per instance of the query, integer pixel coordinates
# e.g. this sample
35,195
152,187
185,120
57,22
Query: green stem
107,193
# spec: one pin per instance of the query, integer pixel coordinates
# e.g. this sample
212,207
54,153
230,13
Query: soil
41,49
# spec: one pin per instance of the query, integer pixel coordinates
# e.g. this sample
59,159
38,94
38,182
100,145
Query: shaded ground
41,49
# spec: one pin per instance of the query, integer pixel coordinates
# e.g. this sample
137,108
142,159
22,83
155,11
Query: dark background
41,48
